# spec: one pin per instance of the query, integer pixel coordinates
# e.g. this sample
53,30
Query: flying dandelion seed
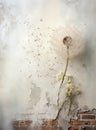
67,41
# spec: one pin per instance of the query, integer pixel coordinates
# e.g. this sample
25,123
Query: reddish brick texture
50,125
85,121
22,124
27,125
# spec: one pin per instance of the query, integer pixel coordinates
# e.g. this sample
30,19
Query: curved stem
67,62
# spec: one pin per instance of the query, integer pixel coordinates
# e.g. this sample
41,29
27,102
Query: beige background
32,54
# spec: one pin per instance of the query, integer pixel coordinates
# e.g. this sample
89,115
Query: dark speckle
38,28
38,54
30,62
30,76
35,40
41,20
84,65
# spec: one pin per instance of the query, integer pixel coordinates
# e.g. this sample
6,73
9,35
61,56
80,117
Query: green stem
70,104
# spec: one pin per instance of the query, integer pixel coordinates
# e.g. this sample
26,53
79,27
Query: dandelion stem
67,62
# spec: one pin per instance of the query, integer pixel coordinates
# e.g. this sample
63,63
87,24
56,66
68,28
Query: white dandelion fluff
75,40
